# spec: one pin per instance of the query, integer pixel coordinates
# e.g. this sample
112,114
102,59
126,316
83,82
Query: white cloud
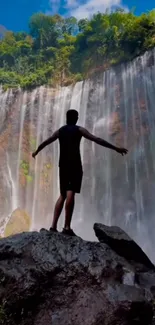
71,4
54,5
83,8
89,7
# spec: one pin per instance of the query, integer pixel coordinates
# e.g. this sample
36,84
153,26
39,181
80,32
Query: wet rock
49,278
122,244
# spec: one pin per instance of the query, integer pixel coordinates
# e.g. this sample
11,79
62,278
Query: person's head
72,117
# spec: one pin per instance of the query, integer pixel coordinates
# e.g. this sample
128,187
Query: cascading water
117,105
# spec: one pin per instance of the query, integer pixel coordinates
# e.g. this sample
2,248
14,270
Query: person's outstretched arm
53,138
86,134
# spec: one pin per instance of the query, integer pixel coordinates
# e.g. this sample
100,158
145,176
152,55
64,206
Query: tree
59,49
8,50
43,30
70,26
82,24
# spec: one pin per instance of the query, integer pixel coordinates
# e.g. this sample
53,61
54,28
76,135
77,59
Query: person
70,165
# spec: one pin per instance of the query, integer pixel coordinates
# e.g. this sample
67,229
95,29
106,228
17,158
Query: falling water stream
117,105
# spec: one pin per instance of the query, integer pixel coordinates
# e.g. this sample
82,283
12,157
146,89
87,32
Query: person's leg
69,208
60,202
57,211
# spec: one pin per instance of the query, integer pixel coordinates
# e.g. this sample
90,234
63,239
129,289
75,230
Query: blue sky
14,14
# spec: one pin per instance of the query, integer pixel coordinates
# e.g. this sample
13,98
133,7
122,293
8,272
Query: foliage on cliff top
64,50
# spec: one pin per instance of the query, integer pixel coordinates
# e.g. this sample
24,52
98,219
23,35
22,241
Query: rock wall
48,278
117,105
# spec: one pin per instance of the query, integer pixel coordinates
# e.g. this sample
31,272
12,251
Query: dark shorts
70,179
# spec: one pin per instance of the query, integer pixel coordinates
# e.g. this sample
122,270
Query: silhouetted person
70,166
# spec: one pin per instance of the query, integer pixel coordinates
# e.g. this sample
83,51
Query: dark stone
147,280
43,230
122,244
48,278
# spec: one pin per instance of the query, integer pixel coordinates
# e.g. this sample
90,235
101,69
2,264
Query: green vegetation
48,166
46,171
32,142
25,168
29,178
62,51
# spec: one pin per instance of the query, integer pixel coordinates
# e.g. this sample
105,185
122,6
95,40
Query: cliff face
48,278
117,105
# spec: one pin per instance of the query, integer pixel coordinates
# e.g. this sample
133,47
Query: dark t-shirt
69,139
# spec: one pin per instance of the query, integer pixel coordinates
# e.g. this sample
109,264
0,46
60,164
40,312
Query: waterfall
117,105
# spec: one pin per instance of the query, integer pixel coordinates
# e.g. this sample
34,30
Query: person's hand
122,151
34,155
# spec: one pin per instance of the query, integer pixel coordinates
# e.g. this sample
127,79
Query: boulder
147,280
53,279
122,244
18,222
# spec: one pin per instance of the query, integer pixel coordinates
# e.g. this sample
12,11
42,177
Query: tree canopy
61,50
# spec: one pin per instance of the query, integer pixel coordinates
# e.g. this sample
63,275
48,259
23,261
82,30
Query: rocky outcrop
122,244
49,278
